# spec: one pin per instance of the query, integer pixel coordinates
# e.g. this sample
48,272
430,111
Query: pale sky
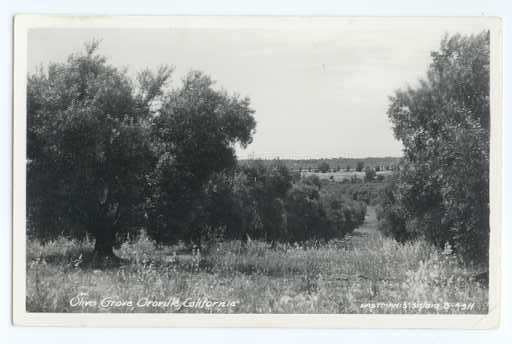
316,93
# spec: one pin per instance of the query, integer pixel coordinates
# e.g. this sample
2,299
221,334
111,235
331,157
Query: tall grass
363,273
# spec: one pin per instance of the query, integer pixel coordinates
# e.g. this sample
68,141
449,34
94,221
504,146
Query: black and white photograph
236,166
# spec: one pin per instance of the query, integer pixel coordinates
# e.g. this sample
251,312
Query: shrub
343,214
324,167
391,214
369,174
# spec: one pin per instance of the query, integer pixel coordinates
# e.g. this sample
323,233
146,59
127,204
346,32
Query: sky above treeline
316,93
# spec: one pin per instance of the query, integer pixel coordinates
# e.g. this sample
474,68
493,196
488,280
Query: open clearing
343,175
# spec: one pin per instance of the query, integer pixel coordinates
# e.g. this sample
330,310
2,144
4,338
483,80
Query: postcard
310,172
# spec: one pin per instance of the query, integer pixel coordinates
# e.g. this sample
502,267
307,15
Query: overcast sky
316,93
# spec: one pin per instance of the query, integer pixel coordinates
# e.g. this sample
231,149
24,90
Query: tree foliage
87,149
442,189
369,174
323,167
104,151
272,204
194,136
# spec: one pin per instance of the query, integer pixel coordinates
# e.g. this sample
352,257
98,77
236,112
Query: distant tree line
441,191
335,164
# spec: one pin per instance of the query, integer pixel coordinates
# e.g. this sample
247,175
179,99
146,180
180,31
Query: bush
343,214
324,167
306,219
391,214
321,211
369,174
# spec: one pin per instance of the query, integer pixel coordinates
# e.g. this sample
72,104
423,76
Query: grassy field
343,175
363,273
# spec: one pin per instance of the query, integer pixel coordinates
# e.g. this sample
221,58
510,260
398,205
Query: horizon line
317,158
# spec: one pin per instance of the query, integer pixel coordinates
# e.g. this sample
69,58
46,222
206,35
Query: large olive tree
88,148
442,191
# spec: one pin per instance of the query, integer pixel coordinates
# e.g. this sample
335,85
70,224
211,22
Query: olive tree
194,135
442,191
88,148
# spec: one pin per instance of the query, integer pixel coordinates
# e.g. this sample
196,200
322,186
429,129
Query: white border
20,317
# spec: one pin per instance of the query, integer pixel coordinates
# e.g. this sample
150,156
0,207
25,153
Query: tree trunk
103,248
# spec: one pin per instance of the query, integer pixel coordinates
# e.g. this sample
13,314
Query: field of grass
363,273
343,175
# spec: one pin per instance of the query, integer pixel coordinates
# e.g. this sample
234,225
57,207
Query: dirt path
370,222
361,236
